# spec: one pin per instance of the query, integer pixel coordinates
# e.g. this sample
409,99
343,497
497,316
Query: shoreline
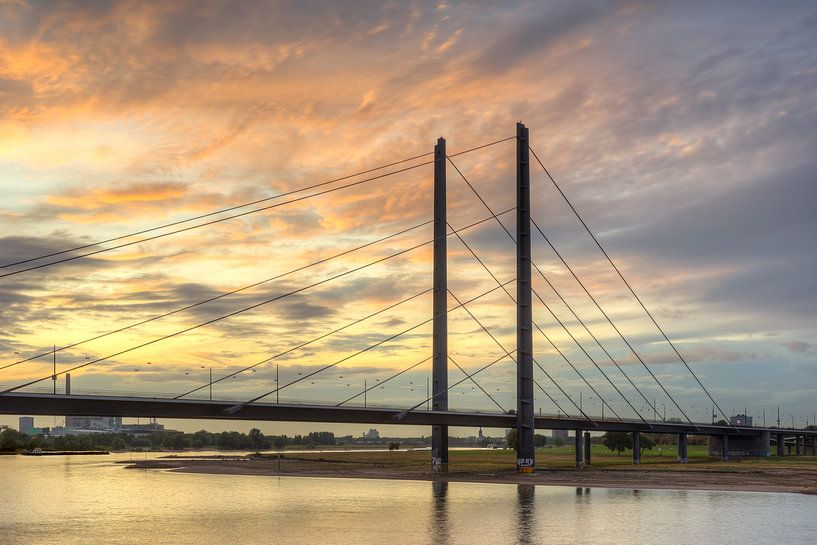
633,478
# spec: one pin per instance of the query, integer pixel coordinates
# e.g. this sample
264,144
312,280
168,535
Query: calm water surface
90,500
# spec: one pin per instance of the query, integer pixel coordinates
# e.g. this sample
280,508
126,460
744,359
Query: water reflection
582,495
439,528
525,495
77,501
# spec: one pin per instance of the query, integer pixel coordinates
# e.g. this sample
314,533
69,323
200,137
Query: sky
682,132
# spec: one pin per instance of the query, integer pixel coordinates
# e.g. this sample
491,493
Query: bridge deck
84,405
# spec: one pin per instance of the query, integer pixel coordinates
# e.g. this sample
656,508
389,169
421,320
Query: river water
90,500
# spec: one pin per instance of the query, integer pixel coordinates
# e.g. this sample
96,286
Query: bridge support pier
682,448
439,402
780,445
587,448
579,454
797,449
526,450
814,445
724,448
636,448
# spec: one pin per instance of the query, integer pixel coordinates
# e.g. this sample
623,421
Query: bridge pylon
525,448
439,433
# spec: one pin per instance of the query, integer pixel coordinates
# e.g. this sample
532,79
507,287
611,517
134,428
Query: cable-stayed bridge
624,389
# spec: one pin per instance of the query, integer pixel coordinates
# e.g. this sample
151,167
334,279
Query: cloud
691,160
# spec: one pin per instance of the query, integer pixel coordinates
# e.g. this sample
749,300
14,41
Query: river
91,500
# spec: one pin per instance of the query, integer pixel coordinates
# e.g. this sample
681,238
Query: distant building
26,424
372,435
741,420
137,429
560,434
95,423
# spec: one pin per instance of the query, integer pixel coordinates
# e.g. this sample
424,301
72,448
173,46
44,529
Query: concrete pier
587,448
636,448
725,448
682,448
579,450
780,445
798,451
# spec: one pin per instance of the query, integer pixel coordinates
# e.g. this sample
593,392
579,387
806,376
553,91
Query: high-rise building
26,424
560,434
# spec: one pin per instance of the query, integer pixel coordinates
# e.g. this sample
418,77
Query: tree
646,442
539,440
11,440
394,446
558,441
618,441
510,439
258,439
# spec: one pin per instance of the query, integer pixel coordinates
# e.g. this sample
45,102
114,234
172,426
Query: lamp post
54,374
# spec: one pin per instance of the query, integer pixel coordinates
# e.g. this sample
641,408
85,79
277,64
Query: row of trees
619,441
615,441
538,440
12,441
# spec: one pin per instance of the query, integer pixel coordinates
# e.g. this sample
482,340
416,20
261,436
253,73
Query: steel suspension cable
626,283
220,296
307,343
468,376
384,381
214,213
610,321
407,369
212,222
236,408
314,186
501,347
484,266
473,253
501,408
598,343
234,313
592,360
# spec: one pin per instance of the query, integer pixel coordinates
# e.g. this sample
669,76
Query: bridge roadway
143,407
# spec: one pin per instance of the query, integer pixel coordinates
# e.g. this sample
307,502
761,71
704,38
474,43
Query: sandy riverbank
748,476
